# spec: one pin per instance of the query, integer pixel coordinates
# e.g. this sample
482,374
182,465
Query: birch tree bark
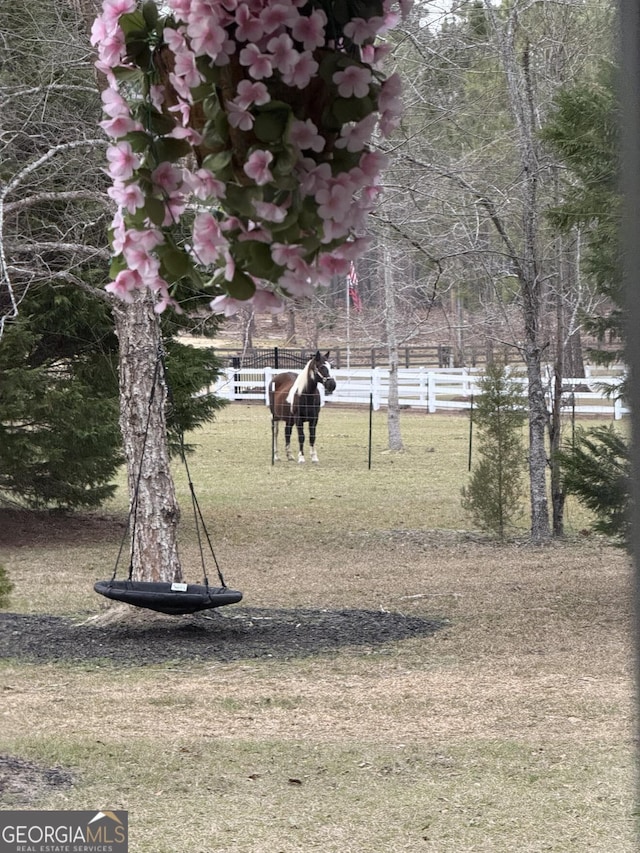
393,406
522,107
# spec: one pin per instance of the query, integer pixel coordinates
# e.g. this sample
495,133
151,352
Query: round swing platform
176,599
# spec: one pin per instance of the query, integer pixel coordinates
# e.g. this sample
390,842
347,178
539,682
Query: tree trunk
154,509
393,409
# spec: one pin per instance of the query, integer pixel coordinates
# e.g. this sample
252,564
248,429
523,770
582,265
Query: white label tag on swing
178,587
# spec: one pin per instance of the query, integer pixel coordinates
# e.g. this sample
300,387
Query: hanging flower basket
241,158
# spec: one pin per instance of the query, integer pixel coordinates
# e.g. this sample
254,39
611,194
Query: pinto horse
295,398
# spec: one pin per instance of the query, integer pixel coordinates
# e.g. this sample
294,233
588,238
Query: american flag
352,281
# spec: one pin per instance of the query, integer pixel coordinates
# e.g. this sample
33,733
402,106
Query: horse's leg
312,440
287,440
274,427
300,426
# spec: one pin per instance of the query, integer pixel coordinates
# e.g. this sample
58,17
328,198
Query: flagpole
348,298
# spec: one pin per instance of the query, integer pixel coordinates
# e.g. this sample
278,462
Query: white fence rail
429,389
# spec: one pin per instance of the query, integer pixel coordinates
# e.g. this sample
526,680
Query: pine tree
597,469
495,489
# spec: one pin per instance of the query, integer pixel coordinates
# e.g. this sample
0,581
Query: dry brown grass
511,729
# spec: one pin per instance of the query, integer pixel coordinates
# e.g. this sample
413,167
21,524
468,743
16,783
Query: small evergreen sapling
494,491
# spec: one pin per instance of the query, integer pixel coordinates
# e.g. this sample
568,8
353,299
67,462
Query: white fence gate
430,389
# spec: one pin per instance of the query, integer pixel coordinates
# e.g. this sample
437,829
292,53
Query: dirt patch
141,638
22,528
23,782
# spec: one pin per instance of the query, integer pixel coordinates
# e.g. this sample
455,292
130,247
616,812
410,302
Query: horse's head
321,367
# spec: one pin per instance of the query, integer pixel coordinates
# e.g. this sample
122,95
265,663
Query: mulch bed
141,638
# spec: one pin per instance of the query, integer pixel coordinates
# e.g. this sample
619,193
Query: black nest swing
175,599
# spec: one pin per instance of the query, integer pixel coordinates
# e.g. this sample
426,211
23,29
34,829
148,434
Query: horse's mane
300,384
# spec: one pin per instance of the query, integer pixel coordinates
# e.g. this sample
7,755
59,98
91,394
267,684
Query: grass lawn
511,728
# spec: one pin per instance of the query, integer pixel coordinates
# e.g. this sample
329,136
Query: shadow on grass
147,638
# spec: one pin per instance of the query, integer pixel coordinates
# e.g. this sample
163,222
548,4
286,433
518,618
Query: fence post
375,388
432,393
268,379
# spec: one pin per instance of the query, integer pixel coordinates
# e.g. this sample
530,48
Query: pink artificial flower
312,176
157,95
114,104
203,185
270,212
375,54
239,117
99,31
286,255
284,54
332,265
309,29
226,305
251,93
207,38
259,64
208,240
129,196
185,67
354,137
361,30
304,134
113,9
111,49
182,8
174,206
139,258
354,81
275,16
125,283
372,163
249,28
119,126
166,177
266,302
302,72
296,283
333,202
174,40
390,97
146,239
257,167
122,161
187,133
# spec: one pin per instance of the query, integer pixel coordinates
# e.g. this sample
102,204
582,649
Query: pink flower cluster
273,43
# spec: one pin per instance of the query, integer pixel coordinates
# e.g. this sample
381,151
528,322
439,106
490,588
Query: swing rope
197,512
133,511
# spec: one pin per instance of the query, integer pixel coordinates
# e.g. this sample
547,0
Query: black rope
133,512
197,512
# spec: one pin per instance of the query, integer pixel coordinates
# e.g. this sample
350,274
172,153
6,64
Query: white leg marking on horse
314,455
289,453
300,458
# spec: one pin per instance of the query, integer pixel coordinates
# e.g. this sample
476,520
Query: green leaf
172,149
118,264
345,110
139,140
240,199
241,286
133,23
155,210
270,123
217,163
176,262
158,123
150,14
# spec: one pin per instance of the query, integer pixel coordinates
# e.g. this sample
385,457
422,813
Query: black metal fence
341,357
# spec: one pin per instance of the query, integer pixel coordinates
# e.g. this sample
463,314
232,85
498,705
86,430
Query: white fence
432,390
